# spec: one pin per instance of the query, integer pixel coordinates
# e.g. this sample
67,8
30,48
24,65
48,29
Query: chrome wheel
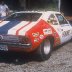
47,47
44,50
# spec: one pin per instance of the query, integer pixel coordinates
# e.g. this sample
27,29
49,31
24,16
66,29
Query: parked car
33,31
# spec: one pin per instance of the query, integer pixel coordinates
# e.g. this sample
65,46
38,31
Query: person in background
4,10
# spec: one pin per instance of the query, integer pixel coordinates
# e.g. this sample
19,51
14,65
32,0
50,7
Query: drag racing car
33,31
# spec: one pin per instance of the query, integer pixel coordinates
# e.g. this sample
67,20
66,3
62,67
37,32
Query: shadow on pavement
16,58
20,58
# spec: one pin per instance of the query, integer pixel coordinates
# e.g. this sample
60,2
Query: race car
34,31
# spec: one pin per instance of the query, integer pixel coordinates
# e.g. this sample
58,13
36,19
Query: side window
61,19
52,20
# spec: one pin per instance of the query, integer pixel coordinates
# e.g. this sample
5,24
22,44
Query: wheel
44,50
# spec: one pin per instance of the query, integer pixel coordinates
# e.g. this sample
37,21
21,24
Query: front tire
44,50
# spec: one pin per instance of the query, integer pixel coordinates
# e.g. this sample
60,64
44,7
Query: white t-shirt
3,10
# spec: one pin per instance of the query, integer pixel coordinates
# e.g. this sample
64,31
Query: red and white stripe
17,27
26,28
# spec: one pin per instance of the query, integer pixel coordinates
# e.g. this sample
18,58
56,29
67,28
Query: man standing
4,10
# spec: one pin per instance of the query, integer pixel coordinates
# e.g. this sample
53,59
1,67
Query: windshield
24,17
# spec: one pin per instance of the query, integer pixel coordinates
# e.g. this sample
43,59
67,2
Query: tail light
24,40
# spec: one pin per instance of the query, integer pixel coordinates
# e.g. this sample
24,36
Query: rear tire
44,50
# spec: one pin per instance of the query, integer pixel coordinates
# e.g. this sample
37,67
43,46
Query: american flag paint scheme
33,31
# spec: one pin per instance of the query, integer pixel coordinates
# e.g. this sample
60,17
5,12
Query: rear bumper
28,45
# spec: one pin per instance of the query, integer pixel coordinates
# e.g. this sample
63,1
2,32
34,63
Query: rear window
24,17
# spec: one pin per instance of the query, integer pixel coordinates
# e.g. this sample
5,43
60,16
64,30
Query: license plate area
3,47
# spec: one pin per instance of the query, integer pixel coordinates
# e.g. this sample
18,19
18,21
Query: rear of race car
8,42
13,31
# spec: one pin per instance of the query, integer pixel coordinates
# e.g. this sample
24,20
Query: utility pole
59,5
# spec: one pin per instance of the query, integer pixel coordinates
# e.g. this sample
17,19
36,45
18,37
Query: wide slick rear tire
44,50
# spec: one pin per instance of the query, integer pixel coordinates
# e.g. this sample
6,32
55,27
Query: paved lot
60,61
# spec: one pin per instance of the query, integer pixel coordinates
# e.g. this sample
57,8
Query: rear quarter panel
40,31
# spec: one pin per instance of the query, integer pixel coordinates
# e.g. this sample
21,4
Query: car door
65,28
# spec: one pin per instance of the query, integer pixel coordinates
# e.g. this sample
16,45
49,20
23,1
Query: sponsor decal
36,40
41,36
66,33
58,40
47,31
35,34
